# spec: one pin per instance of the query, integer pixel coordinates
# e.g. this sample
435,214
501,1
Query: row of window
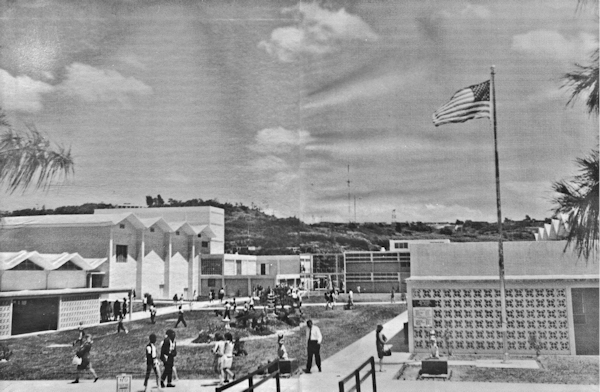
377,257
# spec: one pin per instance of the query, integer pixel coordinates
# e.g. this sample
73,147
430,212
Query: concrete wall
481,259
89,242
152,275
281,264
179,274
23,280
66,279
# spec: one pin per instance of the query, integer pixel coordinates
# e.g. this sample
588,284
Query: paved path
334,368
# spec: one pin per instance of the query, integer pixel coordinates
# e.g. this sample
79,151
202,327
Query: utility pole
349,212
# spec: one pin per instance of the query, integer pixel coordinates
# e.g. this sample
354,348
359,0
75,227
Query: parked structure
551,298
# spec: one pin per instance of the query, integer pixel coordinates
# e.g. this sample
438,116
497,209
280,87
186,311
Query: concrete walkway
335,368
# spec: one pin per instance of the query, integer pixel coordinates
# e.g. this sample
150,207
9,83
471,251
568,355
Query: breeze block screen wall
467,319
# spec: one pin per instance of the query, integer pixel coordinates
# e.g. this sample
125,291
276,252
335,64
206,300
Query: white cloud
21,93
552,44
318,31
479,11
280,140
97,85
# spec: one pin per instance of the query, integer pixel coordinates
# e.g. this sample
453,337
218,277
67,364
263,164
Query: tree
27,158
578,198
149,201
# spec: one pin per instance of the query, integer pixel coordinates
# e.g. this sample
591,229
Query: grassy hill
250,230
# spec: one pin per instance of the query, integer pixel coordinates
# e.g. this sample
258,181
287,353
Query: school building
152,250
239,274
551,297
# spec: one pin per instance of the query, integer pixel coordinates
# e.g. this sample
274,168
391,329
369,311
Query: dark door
34,314
585,320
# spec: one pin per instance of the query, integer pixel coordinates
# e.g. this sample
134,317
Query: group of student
168,352
112,312
223,351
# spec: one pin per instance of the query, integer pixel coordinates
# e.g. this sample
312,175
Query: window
121,226
263,269
199,235
177,232
211,282
211,266
26,265
401,245
121,253
68,266
238,267
205,244
152,230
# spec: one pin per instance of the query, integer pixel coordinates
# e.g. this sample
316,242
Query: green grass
113,353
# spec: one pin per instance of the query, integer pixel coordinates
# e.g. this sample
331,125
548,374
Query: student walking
153,314
145,302
152,362
117,309
227,360
211,295
120,326
221,294
84,354
168,352
218,350
80,336
124,307
180,319
251,303
393,299
313,339
380,340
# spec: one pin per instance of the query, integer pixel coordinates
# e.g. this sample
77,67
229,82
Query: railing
250,377
358,379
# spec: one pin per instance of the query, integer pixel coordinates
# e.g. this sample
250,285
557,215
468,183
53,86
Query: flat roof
54,293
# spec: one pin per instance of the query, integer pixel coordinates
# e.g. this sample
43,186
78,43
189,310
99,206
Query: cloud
318,31
468,11
280,141
552,44
96,85
21,93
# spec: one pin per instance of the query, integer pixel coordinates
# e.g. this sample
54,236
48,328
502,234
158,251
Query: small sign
422,317
123,383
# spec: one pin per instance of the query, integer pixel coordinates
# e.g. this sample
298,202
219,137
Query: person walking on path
152,362
313,339
120,326
380,340
251,303
168,352
227,360
211,295
226,313
117,309
218,350
153,314
145,302
84,354
393,299
221,294
124,307
180,319
81,335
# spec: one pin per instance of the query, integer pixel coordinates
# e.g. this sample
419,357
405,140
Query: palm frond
578,198
584,80
27,158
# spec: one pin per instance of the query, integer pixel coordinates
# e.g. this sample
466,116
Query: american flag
466,104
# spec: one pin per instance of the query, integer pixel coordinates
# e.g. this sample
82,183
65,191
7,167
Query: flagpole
500,247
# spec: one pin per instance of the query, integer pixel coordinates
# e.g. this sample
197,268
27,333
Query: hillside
250,230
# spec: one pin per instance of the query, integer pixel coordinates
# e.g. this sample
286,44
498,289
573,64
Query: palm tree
584,80
578,199
27,158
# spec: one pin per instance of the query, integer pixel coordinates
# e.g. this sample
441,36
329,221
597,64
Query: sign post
123,383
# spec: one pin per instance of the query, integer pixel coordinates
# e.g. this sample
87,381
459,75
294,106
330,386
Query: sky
319,110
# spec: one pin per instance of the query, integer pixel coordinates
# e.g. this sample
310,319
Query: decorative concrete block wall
5,317
80,308
471,319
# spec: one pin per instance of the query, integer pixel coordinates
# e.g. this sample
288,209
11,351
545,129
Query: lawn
554,369
48,356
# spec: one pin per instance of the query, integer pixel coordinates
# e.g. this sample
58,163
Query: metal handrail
250,377
358,379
